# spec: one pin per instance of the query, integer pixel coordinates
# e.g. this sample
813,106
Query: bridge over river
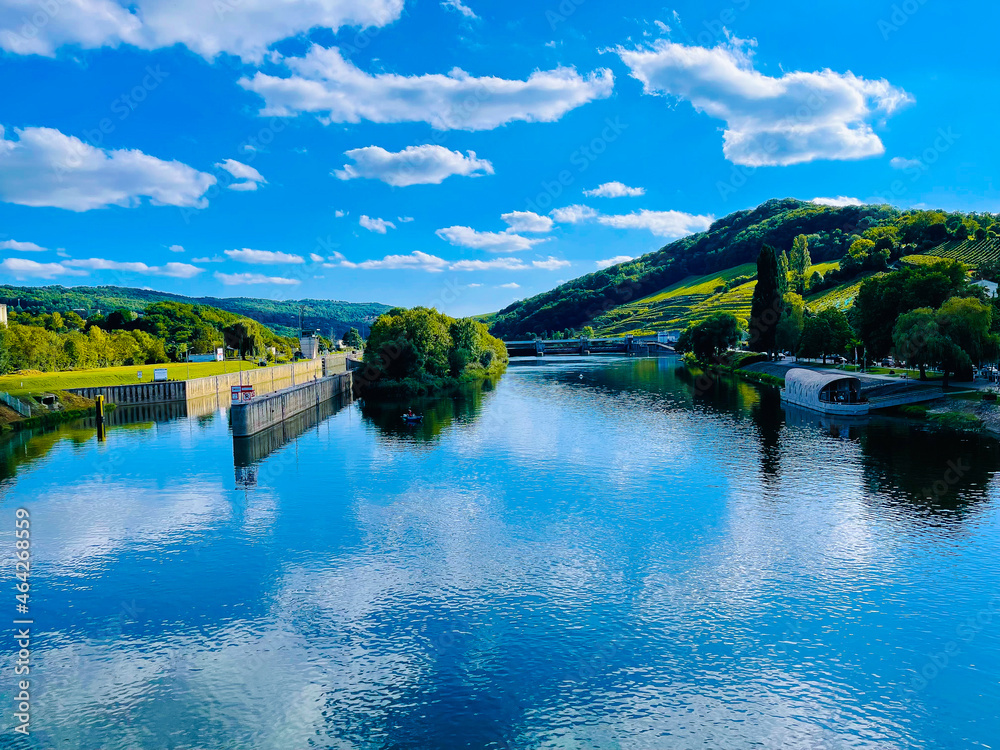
660,343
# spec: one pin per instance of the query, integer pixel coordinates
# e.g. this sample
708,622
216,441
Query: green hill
678,282
280,316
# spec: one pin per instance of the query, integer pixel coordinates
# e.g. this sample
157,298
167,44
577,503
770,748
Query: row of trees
35,348
167,331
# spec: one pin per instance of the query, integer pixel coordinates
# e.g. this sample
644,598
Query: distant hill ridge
282,316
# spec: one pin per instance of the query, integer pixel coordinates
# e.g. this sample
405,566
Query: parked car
840,360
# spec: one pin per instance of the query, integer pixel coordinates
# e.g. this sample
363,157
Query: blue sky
461,154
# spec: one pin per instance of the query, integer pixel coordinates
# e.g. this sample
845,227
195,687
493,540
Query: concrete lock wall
140,393
271,409
270,378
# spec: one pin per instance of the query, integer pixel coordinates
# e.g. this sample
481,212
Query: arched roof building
828,392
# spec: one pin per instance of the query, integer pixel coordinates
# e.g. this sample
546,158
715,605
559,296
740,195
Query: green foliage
914,411
956,420
792,321
245,336
730,241
951,338
281,316
421,351
712,337
352,339
883,299
767,305
799,263
827,333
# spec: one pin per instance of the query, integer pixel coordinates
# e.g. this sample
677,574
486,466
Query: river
590,553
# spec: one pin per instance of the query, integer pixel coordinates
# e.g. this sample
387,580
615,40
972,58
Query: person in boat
410,414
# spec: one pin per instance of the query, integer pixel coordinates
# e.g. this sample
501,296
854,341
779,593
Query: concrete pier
273,408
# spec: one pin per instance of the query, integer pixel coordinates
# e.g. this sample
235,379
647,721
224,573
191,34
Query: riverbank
26,382
66,407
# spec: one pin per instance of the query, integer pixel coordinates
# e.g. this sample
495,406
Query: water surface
591,553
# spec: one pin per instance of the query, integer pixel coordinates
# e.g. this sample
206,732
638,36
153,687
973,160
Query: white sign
235,392
160,375
139,374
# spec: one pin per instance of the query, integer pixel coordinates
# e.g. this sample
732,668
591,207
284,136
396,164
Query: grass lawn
43,382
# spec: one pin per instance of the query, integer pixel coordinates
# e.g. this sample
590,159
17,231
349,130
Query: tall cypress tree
766,307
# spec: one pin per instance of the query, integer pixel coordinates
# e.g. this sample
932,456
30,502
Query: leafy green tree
917,340
587,332
800,261
826,333
766,306
353,340
883,299
792,322
422,350
244,336
713,336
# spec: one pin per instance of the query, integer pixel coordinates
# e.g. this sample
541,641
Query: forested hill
730,241
281,316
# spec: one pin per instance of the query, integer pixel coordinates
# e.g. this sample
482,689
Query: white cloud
22,268
420,261
602,264
263,257
340,214
176,248
414,165
661,223
326,84
23,247
511,285
508,264
249,178
527,221
47,168
404,219
550,264
316,258
212,259
799,117
497,264
465,10
574,214
416,261
175,270
171,270
615,190
899,162
245,28
839,202
238,279
378,226
492,242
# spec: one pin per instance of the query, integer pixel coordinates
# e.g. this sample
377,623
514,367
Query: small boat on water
413,418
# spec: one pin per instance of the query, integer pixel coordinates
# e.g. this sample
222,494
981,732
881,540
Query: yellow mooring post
101,434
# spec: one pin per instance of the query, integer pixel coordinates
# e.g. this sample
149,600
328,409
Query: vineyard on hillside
697,297
972,252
